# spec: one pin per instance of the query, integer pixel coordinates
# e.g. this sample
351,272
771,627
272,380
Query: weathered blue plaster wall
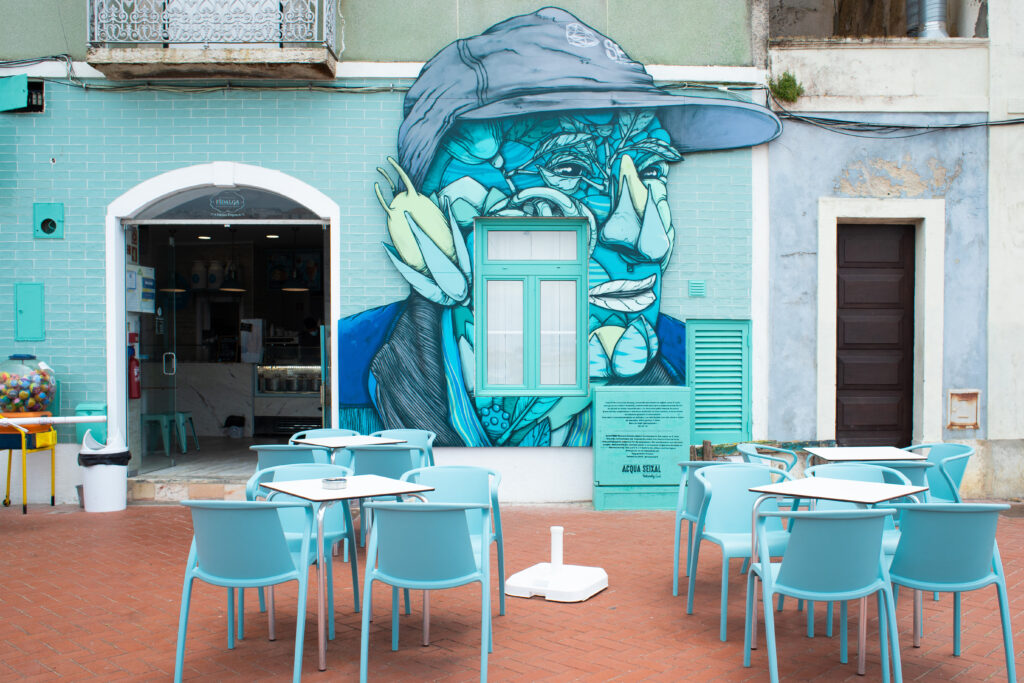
808,163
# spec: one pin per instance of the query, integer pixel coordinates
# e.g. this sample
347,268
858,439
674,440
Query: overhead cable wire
861,129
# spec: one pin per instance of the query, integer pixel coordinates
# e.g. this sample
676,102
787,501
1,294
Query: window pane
531,245
558,332
504,332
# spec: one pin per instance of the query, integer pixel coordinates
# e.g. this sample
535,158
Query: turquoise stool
180,418
164,421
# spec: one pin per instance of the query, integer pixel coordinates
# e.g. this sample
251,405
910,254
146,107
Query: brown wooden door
875,335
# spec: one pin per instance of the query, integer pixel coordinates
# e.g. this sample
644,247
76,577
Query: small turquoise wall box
48,220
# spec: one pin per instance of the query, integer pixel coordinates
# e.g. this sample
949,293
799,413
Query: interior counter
212,391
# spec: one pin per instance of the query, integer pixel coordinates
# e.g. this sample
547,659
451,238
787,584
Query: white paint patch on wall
531,475
904,75
1005,404
760,295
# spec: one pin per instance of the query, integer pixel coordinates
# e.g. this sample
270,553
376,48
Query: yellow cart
29,438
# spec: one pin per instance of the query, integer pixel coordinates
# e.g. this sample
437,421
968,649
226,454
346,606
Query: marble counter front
213,391
288,406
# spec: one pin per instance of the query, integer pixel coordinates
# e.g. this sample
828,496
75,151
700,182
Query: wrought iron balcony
214,38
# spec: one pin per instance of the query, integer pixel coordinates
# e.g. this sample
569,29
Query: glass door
158,344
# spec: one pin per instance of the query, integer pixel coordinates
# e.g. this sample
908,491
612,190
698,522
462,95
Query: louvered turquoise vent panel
718,368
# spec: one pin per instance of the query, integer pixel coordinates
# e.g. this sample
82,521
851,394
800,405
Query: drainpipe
933,19
927,18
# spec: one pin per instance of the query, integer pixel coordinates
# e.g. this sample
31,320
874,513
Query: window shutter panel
718,370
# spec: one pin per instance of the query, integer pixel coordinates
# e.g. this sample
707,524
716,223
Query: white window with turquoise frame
531,306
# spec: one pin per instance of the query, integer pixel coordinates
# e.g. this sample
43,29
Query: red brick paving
96,597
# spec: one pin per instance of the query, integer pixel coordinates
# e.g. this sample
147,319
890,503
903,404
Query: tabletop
348,441
846,490
359,486
862,453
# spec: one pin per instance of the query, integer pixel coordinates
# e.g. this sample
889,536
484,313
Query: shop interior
235,349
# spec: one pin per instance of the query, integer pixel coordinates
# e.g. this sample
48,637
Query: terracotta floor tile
96,597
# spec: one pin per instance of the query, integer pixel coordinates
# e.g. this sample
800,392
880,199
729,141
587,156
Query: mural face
411,364
612,168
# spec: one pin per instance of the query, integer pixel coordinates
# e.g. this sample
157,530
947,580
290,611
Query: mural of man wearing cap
540,115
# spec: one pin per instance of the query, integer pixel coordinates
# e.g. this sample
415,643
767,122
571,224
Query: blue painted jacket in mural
397,369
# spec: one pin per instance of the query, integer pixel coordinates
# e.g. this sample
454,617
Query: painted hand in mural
426,250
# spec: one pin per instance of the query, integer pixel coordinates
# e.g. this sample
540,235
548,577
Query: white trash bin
104,476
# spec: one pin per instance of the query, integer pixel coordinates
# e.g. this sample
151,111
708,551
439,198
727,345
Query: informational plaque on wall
640,433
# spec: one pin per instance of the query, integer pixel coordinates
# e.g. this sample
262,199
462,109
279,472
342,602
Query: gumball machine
28,388
27,385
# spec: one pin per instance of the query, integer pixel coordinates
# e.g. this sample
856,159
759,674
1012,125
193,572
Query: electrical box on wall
963,408
29,323
48,221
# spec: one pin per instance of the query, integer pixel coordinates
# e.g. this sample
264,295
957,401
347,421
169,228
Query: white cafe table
862,453
339,443
843,490
359,486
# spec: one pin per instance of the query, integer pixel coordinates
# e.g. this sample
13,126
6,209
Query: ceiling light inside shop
205,237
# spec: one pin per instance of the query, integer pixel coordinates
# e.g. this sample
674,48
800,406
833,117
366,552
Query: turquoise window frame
530,273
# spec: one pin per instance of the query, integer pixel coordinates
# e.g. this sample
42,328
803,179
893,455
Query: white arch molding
219,174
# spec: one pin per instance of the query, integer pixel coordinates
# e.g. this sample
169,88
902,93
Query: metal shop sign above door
227,203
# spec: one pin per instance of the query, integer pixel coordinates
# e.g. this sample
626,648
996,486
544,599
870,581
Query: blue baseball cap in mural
550,61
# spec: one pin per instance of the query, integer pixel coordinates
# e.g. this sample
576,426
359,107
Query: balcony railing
213,23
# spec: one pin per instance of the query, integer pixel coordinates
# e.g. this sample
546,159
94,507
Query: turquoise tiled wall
710,194
91,146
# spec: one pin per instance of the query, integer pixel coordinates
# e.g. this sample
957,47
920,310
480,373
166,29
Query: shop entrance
220,285
235,348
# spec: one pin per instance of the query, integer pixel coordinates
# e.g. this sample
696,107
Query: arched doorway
159,197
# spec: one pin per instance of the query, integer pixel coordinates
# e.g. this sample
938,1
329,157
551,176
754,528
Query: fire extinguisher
134,375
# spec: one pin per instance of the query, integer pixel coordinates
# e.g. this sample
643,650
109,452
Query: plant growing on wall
786,87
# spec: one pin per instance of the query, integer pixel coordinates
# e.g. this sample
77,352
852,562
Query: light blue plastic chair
859,471
950,460
321,431
854,471
951,548
914,470
753,452
240,544
725,519
338,525
691,495
426,546
386,461
832,555
465,484
273,455
415,437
